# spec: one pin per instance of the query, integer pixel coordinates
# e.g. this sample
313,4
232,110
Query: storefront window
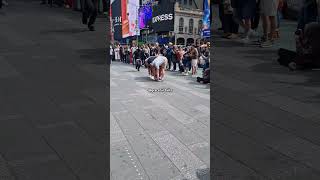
191,26
199,26
181,24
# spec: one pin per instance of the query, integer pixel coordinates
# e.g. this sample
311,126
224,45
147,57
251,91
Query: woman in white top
117,53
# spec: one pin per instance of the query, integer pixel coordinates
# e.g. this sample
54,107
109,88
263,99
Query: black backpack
286,56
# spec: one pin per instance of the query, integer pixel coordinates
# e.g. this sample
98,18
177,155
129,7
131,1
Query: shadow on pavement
143,79
94,56
65,31
221,43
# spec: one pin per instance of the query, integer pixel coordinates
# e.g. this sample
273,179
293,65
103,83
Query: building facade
188,21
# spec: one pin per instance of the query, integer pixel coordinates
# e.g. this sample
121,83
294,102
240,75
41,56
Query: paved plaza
266,119
158,135
52,94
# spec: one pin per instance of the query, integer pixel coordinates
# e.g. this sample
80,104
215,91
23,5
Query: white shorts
194,62
269,7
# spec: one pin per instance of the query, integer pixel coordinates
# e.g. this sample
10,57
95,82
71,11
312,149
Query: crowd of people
246,14
160,58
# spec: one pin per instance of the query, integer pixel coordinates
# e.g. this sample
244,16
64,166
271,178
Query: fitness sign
163,17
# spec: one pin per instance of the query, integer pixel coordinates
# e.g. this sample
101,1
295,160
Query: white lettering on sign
163,17
117,21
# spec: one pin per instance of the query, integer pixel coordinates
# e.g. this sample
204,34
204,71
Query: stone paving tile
181,132
179,154
124,164
142,115
5,173
274,165
288,144
155,162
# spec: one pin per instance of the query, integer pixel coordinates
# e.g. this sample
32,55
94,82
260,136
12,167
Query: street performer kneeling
158,66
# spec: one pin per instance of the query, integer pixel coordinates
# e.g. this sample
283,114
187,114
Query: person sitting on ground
206,77
307,54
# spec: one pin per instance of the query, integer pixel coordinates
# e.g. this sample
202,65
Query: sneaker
84,19
253,33
246,40
233,36
91,28
226,35
292,66
266,44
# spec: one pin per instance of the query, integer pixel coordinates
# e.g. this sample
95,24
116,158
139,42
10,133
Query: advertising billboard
116,19
163,17
206,18
145,16
133,10
125,19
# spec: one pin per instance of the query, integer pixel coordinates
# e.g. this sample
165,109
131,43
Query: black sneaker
91,28
84,19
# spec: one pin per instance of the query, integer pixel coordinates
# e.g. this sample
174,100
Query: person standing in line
121,54
117,53
128,54
231,28
221,13
111,53
89,11
180,54
194,60
279,17
174,58
169,54
133,50
269,10
245,11
256,19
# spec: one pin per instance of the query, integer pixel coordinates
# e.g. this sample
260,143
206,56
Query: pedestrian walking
138,57
89,11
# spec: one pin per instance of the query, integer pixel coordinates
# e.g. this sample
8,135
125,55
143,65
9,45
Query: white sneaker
253,33
292,66
266,44
246,40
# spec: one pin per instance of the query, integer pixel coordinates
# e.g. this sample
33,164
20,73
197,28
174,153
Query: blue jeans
279,17
187,65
